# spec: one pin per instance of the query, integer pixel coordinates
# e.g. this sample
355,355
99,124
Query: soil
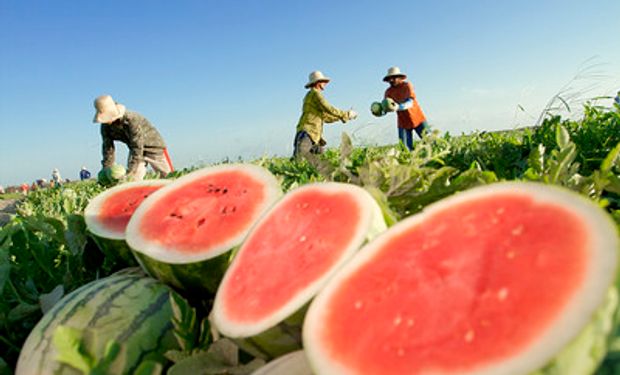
7,208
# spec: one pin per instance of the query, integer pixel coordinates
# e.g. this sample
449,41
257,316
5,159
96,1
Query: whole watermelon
377,109
111,175
121,322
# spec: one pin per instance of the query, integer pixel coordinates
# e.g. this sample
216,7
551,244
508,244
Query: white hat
107,110
315,77
394,72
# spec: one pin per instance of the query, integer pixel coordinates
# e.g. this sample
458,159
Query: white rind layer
171,255
371,224
579,312
91,212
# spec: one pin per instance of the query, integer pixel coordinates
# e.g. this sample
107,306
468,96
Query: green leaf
48,300
5,272
75,235
149,368
22,311
562,137
389,216
613,184
536,159
67,341
4,367
346,146
184,322
222,358
610,160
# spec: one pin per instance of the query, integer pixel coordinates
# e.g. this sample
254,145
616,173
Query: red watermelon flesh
284,258
202,215
291,252
205,213
109,212
465,286
118,208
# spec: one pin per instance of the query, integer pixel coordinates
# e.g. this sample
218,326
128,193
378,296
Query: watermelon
294,363
111,175
377,109
288,256
107,215
509,278
127,308
389,105
184,233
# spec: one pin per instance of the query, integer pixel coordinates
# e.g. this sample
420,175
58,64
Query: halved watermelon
288,256
183,233
509,278
107,215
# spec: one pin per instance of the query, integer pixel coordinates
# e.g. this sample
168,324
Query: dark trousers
303,144
406,135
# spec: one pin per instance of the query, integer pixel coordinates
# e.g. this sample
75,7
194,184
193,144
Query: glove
389,105
405,105
352,114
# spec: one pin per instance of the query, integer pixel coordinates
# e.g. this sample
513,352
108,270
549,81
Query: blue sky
225,79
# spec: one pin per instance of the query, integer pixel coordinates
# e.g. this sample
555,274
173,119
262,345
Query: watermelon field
222,269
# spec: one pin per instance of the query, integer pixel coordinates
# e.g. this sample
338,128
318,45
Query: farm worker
617,98
84,174
409,114
146,146
56,177
315,112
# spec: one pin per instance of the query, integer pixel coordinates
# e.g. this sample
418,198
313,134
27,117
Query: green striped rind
128,308
116,250
195,278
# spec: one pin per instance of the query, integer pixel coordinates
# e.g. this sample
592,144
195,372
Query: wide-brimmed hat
394,72
315,77
107,110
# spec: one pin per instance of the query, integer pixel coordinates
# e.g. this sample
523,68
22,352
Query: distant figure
2,189
315,112
617,98
56,179
409,114
146,146
24,188
84,174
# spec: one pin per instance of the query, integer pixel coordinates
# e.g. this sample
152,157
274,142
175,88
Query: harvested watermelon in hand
377,109
509,278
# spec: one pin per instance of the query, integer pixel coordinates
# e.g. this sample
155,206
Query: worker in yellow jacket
315,112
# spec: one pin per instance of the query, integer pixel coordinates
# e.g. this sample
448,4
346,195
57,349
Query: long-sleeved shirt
316,111
411,117
137,133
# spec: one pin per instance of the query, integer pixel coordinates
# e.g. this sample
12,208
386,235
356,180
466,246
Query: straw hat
315,77
107,110
394,72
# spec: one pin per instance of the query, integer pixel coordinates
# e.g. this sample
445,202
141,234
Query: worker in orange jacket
401,98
